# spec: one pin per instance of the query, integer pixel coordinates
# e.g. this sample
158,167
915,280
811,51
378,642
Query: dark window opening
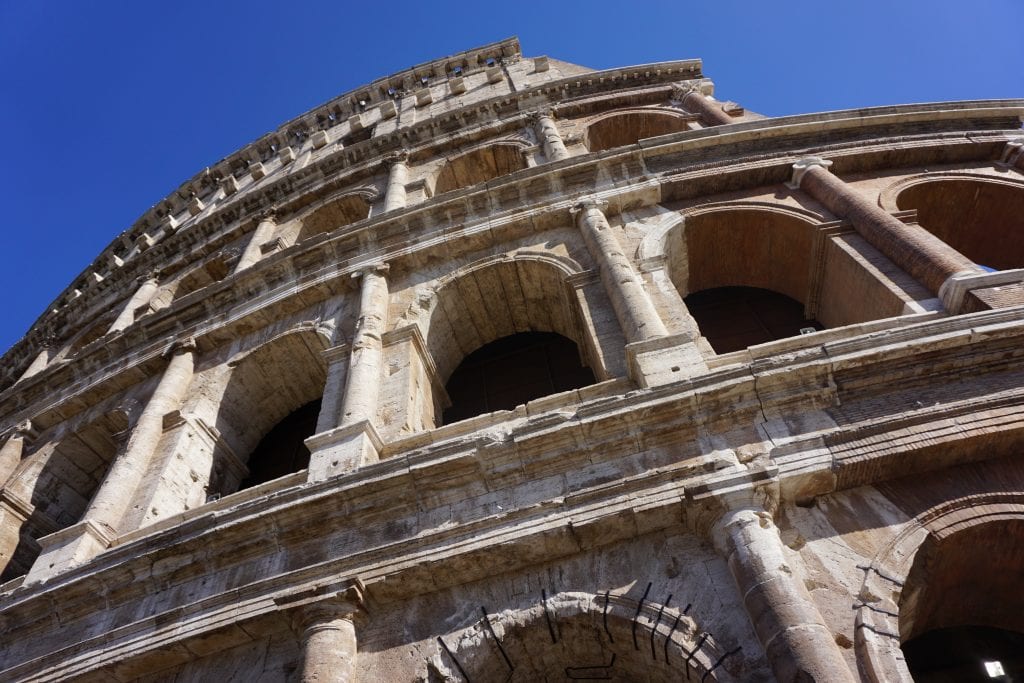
513,370
960,654
282,451
733,318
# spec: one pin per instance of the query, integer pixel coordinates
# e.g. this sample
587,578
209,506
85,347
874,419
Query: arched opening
269,406
733,318
627,128
283,450
579,637
333,215
59,481
982,219
505,299
744,274
961,605
478,166
513,370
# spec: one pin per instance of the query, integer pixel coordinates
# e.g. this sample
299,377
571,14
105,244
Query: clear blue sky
109,106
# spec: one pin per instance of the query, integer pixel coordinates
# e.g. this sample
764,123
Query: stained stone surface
785,511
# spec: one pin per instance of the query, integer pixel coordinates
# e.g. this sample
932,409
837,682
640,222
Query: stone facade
796,508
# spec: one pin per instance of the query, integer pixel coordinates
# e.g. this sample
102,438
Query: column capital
536,115
310,610
399,157
23,430
269,214
152,276
588,204
373,268
1013,151
186,345
701,86
801,167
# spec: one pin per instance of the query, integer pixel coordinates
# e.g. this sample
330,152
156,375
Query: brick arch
893,600
626,127
480,164
742,244
589,637
980,216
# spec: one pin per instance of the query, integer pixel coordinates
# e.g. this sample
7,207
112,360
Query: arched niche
212,271
961,604
479,165
745,273
982,218
59,480
498,299
333,214
578,636
626,128
266,386
513,370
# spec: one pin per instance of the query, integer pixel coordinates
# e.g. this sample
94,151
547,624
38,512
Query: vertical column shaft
924,256
10,454
632,305
111,502
363,382
798,644
398,177
328,649
142,296
37,365
254,249
709,111
547,131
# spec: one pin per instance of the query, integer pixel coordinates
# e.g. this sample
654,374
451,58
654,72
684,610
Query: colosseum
505,369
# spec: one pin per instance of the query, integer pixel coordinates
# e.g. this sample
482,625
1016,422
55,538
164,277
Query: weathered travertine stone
122,481
632,305
362,385
327,635
547,131
909,246
38,364
10,452
254,249
398,177
794,636
143,295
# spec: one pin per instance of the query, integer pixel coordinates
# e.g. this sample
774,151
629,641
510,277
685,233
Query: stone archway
930,577
480,165
581,636
982,217
627,127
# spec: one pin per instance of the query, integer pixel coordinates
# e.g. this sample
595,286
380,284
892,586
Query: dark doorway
948,655
513,370
733,318
282,450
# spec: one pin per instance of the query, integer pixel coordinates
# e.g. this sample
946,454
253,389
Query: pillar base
343,450
68,548
663,360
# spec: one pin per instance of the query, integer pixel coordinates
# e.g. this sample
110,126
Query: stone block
423,97
320,139
494,74
456,85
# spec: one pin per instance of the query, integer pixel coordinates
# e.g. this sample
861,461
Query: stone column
126,473
362,385
38,363
10,454
398,178
691,97
142,296
798,644
547,132
633,307
326,631
921,254
355,441
254,249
